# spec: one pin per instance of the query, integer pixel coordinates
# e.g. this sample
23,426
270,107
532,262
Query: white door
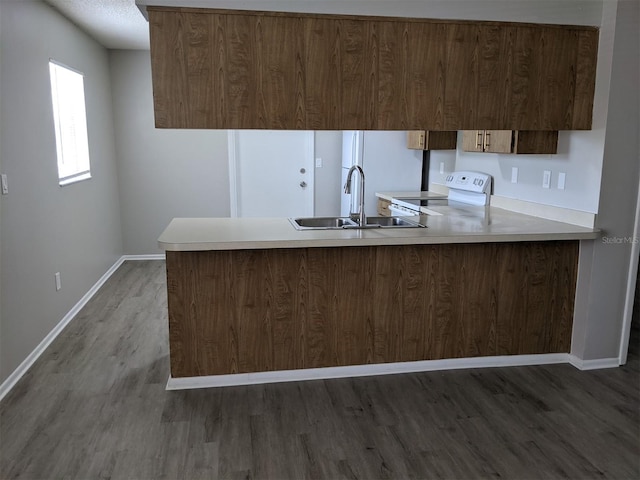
271,173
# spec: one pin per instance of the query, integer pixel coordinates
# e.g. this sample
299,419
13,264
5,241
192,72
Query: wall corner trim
17,374
595,364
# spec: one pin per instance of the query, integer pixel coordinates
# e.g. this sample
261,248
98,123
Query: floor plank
94,407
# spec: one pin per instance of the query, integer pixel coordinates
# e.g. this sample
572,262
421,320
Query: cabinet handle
487,135
479,139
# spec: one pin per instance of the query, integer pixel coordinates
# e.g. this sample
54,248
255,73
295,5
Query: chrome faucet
359,216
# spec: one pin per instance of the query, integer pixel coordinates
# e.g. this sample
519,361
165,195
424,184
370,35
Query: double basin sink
334,223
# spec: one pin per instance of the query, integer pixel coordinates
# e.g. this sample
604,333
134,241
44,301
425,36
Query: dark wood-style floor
95,406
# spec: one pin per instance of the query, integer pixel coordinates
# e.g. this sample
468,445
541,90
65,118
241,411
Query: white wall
162,173
579,156
74,230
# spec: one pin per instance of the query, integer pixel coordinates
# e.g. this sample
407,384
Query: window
70,121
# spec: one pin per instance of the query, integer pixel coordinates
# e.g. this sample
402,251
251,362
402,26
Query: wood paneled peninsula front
250,295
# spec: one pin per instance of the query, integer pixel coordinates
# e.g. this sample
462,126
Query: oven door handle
402,211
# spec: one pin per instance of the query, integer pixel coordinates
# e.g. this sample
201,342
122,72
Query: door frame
232,143
632,278
232,138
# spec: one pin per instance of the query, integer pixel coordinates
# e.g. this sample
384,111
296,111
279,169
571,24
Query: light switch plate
562,177
514,174
5,184
546,179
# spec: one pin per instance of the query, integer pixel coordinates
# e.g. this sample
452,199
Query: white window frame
70,123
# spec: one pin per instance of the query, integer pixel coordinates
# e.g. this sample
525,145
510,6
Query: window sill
77,178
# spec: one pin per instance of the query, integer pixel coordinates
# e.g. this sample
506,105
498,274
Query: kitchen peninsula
254,300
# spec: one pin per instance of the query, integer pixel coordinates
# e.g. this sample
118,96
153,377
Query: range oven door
401,211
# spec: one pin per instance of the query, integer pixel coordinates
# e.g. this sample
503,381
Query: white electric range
465,188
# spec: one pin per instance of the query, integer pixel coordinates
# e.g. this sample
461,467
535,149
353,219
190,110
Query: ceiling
116,24
119,24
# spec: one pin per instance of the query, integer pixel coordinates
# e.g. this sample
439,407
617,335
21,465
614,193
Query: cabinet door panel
198,49
526,70
242,76
425,77
495,54
587,54
416,139
498,141
543,79
322,67
461,79
392,71
340,74
359,73
556,86
383,207
472,140
279,68
527,141
170,95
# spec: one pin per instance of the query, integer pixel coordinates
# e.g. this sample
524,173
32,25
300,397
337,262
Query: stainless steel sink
334,223
396,222
321,223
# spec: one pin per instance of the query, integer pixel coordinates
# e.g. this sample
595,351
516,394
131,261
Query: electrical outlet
562,178
58,282
514,174
546,179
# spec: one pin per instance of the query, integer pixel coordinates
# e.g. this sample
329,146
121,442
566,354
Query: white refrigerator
389,166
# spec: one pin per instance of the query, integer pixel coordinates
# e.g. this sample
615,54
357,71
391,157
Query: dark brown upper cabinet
508,141
232,69
428,140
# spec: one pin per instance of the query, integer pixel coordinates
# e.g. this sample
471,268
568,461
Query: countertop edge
365,242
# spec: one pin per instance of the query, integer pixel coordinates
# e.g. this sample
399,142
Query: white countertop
455,225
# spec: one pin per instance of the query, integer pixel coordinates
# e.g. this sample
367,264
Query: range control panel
469,181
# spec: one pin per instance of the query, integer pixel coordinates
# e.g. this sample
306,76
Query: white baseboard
595,364
209,381
17,374
149,256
